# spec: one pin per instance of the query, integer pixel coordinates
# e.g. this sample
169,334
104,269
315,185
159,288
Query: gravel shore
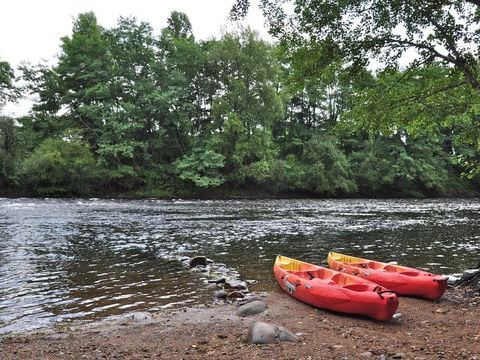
447,329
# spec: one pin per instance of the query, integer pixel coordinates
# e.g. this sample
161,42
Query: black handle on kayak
379,291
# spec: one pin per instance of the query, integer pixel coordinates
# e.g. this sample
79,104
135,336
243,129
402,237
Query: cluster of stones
229,286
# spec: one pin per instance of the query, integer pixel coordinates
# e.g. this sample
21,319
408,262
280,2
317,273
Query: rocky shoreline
441,330
243,325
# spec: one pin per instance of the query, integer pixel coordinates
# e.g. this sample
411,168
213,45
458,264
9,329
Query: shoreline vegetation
130,113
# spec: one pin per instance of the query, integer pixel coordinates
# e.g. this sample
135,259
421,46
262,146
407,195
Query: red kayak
400,279
332,290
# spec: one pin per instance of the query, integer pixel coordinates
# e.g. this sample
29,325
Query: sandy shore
442,330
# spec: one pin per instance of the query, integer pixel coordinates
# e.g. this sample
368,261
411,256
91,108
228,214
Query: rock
220,295
263,333
217,281
442,310
236,284
398,356
252,308
383,357
396,317
140,316
201,268
285,335
366,354
235,295
251,297
198,260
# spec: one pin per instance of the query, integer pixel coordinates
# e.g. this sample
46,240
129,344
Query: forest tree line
128,111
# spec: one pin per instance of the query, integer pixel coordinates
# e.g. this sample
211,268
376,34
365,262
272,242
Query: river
83,260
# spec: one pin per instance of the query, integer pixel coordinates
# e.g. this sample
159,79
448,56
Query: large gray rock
252,308
263,333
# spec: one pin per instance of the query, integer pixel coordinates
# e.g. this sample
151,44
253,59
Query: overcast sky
30,30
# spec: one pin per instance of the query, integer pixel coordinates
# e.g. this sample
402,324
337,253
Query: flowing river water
64,260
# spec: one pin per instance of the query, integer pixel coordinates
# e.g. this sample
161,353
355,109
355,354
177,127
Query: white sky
30,30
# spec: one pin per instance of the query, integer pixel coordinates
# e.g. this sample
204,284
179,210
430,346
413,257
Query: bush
57,167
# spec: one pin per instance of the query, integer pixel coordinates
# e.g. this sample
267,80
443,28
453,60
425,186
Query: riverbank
234,193
443,330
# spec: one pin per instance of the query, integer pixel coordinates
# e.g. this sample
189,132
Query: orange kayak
332,290
400,279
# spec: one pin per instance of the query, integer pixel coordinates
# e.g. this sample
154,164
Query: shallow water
89,259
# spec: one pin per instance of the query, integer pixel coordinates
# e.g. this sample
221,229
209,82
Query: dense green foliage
436,41
126,110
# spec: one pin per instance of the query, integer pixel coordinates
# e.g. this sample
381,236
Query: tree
201,167
8,91
75,93
387,31
179,25
327,170
384,29
243,76
9,150
400,165
246,74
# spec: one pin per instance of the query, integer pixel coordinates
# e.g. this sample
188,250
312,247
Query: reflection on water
87,259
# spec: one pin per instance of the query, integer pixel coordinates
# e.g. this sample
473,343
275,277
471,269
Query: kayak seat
395,268
358,287
375,265
343,280
303,274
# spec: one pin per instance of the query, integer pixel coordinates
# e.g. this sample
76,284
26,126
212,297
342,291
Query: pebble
442,310
366,354
398,356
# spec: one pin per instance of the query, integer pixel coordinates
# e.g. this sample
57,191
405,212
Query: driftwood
472,282
466,290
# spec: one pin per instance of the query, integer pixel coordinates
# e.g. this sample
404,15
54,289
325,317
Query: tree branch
426,96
